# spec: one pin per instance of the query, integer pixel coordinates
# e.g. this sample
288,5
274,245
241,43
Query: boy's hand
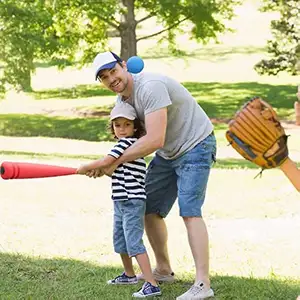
82,170
95,173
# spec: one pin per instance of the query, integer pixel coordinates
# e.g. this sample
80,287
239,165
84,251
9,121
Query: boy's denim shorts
129,227
184,178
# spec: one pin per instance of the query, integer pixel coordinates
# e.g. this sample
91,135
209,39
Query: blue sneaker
123,279
147,290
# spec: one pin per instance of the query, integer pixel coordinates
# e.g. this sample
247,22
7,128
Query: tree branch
109,22
145,18
163,30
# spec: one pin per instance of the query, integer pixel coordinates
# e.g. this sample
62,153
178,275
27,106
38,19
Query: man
182,135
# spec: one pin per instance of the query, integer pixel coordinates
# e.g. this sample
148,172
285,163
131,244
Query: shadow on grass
219,100
89,129
23,277
77,92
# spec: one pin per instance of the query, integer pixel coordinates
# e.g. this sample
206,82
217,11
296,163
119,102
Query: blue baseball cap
105,60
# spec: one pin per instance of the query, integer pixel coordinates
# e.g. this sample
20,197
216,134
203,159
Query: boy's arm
105,162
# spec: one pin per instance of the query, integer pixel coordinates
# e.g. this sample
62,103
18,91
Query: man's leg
157,234
198,241
193,170
161,189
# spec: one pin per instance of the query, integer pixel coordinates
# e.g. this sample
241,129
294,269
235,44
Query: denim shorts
129,227
184,178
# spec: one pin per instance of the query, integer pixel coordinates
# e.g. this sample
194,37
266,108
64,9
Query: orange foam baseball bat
22,170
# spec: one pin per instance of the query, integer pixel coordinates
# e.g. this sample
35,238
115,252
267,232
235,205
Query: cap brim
106,66
122,116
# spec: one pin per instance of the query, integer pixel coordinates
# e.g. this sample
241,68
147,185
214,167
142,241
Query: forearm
289,168
105,162
141,148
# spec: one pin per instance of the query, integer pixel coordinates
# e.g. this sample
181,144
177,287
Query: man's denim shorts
184,178
129,227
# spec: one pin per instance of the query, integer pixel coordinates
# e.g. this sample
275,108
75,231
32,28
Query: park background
55,234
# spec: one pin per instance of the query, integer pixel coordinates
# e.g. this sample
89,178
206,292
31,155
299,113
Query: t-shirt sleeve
119,148
154,96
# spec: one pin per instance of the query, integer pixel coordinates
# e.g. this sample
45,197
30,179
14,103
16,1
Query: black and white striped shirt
128,180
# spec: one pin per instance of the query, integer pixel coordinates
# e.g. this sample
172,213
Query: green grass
219,100
61,279
90,129
77,92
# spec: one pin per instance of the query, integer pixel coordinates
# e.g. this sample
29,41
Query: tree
120,16
285,47
75,30
26,35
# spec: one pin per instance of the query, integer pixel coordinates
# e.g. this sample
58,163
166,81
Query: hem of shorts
189,215
139,252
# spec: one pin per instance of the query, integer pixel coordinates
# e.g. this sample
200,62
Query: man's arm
289,168
156,126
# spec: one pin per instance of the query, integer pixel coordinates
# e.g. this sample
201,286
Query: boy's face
123,127
115,79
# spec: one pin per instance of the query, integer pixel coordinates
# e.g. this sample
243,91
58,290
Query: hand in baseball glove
256,133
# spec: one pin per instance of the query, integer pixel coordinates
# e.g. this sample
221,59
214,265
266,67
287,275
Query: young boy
128,195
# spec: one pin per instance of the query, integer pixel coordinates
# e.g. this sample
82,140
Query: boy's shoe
160,278
147,290
123,279
198,291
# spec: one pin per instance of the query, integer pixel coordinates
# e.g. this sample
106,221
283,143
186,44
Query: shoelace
196,289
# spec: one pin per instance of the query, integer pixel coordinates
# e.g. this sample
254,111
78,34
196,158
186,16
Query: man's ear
124,65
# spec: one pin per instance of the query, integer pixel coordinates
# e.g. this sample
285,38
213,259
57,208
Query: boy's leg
161,190
127,263
128,277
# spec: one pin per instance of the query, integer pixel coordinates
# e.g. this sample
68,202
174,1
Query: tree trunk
127,31
25,80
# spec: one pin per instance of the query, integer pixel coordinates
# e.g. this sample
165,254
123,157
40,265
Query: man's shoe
160,278
147,290
123,279
198,291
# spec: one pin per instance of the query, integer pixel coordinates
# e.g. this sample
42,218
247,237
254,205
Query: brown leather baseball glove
256,133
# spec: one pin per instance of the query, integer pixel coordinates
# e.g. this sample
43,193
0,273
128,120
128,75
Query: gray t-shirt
187,123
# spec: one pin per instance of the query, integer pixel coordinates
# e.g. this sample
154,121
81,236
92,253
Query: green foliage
74,31
285,46
26,34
